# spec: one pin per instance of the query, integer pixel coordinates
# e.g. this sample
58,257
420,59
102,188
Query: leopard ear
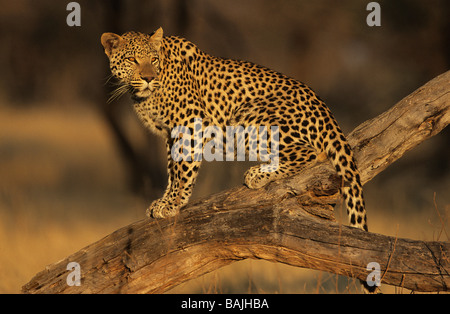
157,38
110,41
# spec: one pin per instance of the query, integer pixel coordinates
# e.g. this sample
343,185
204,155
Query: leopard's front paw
161,208
256,179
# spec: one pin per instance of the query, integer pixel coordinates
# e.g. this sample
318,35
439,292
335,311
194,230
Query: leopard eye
132,59
154,60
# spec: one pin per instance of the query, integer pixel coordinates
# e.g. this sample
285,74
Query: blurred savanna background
74,168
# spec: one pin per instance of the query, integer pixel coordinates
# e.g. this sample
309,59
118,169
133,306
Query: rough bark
290,221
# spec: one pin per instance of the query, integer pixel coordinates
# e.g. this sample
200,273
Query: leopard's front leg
181,180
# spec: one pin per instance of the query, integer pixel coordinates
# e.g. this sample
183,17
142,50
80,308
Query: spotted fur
173,82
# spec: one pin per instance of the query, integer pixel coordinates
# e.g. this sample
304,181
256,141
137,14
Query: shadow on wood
290,221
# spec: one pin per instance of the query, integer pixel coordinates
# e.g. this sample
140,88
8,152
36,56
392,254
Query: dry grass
62,188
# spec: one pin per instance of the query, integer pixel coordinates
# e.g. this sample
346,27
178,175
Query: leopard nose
147,78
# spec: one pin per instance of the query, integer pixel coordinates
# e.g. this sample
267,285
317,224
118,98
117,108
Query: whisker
108,79
118,92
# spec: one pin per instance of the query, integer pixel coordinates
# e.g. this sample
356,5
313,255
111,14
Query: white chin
144,94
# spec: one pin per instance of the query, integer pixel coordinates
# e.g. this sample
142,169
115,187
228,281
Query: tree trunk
290,221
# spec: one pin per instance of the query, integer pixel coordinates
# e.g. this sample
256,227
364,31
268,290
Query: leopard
174,83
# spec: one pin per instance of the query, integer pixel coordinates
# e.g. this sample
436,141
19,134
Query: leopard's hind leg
291,160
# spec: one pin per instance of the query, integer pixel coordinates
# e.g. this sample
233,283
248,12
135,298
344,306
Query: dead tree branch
290,221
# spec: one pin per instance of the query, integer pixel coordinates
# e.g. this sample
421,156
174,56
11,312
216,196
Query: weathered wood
290,221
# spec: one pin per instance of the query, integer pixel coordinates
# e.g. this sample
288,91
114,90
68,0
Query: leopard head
135,60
